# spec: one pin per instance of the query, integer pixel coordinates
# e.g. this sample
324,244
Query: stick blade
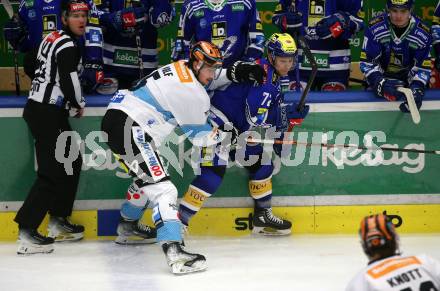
415,114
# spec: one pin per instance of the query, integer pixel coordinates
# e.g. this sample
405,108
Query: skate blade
30,249
179,268
269,231
68,237
134,240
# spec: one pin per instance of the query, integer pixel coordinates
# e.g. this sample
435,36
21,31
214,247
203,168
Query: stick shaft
329,145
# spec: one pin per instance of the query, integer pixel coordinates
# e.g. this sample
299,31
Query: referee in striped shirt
55,89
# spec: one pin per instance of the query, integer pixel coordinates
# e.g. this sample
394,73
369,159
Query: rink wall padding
235,222
310,180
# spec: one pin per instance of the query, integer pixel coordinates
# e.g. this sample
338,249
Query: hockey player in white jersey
138,120
388,269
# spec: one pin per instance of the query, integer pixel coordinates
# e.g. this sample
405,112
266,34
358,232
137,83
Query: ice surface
297,262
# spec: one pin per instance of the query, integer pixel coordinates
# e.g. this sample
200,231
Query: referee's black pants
54,190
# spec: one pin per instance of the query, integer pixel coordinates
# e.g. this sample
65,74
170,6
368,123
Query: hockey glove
333,25
418,90
294,116
92,76
231,134
161,13
289,116
128,20
240,72
14,32
224,126
387,88
288,21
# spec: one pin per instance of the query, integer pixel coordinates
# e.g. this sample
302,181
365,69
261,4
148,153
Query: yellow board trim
88,218
305,219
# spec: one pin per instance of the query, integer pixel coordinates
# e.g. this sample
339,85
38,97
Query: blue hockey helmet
403,4
281,45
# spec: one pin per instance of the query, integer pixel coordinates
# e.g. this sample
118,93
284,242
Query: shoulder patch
53,36
376,20
183,72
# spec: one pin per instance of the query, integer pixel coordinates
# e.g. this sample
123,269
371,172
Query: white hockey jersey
171,96
399,273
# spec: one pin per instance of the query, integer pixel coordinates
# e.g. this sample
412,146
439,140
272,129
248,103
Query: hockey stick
8,7
137,3
329,145
139,53
415,114
303,44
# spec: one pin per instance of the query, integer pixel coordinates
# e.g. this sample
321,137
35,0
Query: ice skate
134,232
31,242
182,262
266,223
61,229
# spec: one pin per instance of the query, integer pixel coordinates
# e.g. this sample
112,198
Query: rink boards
321,190
234,222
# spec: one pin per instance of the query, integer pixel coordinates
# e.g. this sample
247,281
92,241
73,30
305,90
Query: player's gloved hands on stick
92,76
288,21
294,115
128,21
227,127
14,31
240,72
418,90
333,26
387,88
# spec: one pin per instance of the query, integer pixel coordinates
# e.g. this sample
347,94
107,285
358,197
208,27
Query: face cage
216,68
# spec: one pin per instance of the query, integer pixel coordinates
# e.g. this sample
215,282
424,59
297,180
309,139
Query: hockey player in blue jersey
246,107
38,18
233,25
436,35
327,26
395,53
130,36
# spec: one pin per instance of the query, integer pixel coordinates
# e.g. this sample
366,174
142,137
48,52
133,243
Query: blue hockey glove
162,14
240,72
333,25
288,21
289,116
14,31
387,88
128,21
92,76
294,116
418,90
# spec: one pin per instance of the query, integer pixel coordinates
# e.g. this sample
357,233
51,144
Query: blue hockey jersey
41,17
236,29
405,58
248,106
332,54
120,52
